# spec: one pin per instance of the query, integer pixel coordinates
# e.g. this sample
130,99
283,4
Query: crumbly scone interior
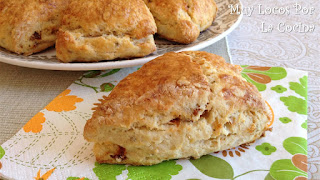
228,112
43,36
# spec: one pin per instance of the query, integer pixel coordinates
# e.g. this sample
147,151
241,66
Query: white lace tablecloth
299,50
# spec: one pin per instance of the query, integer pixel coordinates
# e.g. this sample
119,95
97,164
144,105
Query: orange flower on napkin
35,124
45,176
63,102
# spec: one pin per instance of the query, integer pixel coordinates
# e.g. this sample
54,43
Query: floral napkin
51,145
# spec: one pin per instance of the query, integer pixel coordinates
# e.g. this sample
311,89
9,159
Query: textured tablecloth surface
24,92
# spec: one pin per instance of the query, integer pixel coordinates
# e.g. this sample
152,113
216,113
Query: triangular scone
182,21
98,30
178,105
29,26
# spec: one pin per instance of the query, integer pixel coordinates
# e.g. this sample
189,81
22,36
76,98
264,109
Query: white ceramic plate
222,26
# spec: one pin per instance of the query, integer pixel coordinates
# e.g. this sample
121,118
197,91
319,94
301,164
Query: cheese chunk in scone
179,105
98,30
180,20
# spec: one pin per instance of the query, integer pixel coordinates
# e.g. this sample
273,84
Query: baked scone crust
179,105
104,30
29,26
182,21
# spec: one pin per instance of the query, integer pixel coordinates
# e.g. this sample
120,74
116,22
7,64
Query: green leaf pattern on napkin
162,171
285,120
266,148
2,152
105,87
214,167
92,74
279,89
260,76
76,178
296,145
297,104
268,177
300,88
305,125
109,73
297,165
99,74
284,169
108,171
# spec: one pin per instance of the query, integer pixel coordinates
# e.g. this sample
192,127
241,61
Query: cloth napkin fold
51,145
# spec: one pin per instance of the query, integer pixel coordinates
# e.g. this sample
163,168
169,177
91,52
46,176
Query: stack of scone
95,30
179,105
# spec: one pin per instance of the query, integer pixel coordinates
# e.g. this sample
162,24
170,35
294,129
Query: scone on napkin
179,105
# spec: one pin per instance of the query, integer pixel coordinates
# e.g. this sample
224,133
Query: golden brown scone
178,105
182,21
29,26
104,30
